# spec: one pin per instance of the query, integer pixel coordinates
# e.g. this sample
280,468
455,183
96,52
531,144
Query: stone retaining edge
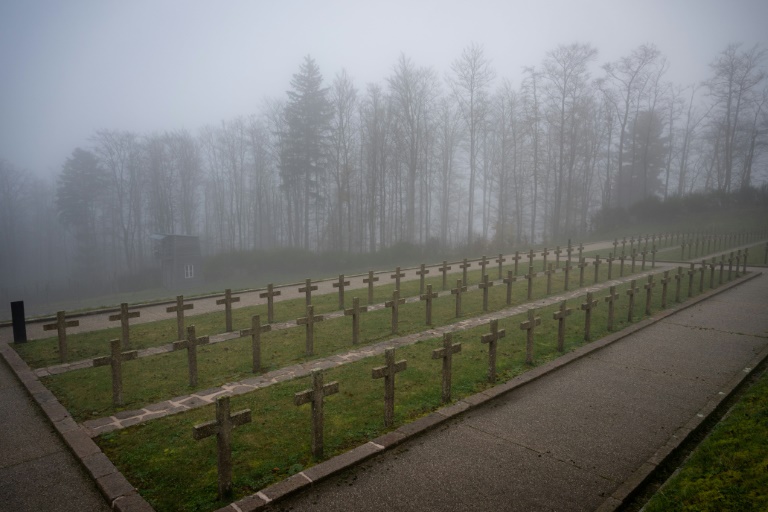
305,479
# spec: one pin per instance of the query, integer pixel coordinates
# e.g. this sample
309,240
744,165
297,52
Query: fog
182,114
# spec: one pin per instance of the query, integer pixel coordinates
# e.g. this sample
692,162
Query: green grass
174,472
729,469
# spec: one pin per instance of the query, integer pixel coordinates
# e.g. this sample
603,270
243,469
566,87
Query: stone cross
738,262
582,265
631,292
621,267
255,333
315,396
691,272
395,305
428,298
355,312
610,299
388,372
529,276
421,273
560,315
642,263
516,259
309,322
653,256
568,251
483,263
227,301
396,276
500,260
444,269
623,245
545,253
457,292
722,264
664,283
115,360
730,265
485,285
615,245
446,354
492,339
307,290
746,251
712,266
702,270
369,281
270,294
124,317
587,307
558,251
631,244
610,259
648,294
567,274
529,326
508,281
222,429
634,258
464,266
191,344
531,255
60,326
581,250
340,284
678,282
179,309
549,272
596,263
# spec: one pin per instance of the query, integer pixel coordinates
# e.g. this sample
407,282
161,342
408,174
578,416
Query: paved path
572,438
37,472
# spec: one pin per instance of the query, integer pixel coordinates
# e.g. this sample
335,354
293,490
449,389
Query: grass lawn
729,469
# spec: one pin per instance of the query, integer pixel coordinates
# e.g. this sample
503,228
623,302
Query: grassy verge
728,470
174,472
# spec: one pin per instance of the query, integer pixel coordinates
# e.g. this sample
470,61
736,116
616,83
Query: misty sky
68,68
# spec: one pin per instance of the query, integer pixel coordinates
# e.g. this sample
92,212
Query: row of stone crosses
124,316
224,423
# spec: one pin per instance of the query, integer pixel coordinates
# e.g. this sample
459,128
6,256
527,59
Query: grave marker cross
691,272
60,326
610,299
649,294
179,309
255,333
340,284
446,354
315,396
396,276
702,269
621,267
642,254
582,265
722,264
567,275
596,263
549,272
516,258
531,255
421,273
228,300
508,281
631,292
529,276
355,312
307,290
529,326
388,372
464,266
309,322
428,298
545,253
610,259
483,263
581,250
124,317
395,305
587,307
634,258
500,260
560,315
485,285
369,281
730,265
664,282
270,294
712,266
492,339
457,292
444,269
558,252
222,429
115,360
191,344
678,282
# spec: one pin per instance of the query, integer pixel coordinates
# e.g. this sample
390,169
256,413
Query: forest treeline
457,157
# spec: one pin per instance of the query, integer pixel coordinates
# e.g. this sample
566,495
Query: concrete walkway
578,438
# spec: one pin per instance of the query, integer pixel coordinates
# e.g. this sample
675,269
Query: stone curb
115,488
305,479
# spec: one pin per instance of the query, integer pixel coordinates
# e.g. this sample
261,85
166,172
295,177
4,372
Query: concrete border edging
305,479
